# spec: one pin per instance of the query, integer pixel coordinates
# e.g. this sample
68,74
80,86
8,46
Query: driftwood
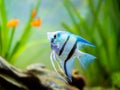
35,77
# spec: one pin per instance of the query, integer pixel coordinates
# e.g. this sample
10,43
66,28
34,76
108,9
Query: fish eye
55,36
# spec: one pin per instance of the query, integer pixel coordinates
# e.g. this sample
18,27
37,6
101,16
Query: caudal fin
85,59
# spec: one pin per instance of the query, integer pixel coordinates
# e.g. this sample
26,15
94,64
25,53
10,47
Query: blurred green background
96,20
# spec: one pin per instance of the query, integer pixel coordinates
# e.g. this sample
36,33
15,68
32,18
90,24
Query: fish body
66,46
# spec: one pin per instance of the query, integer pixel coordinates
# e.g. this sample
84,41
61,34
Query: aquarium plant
101,26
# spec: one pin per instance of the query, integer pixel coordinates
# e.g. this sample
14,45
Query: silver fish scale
69,45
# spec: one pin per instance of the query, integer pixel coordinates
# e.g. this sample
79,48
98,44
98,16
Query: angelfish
65,46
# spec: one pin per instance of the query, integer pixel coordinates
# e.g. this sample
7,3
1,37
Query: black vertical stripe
61,50
72,51
69,56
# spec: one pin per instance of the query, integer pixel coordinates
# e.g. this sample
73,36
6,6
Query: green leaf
24,47
67,6
66,27
10,41
82,22
36,55
0,41
115,77
4,28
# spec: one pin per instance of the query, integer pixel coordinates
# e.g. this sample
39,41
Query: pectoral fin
53,60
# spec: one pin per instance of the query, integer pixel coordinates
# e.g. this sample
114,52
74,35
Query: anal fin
68,67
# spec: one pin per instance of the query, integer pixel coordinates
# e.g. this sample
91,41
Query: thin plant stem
10,41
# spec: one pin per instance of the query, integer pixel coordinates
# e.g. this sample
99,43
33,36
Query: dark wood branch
35,77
